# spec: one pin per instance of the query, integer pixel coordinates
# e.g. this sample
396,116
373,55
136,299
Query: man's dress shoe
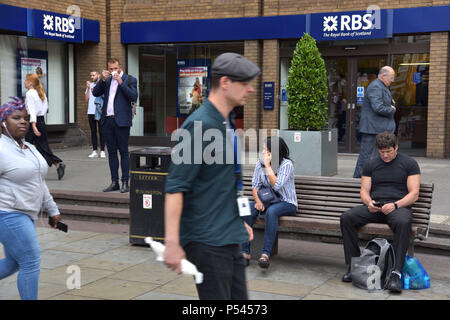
125,187
112,187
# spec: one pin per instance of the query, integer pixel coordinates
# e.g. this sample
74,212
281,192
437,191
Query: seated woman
282,182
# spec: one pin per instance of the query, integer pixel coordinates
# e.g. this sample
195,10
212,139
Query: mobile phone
61,226
378,204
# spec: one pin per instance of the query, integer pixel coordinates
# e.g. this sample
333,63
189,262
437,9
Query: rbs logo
354,22
59,24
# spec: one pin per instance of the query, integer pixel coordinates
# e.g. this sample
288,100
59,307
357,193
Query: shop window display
166,89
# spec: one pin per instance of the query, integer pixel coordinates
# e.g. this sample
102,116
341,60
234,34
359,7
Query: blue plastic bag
414,275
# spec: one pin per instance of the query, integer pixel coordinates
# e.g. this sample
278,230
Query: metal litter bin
148,171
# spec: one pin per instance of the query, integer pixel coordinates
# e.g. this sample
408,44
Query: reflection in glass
410,91
337,97
158,82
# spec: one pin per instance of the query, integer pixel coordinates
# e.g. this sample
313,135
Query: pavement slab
59,275
183,285
279,288
113,289
113,269
147,273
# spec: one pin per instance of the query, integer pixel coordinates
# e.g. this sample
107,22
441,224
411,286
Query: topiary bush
307,88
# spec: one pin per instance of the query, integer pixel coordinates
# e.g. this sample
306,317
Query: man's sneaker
102,154
395,283
93,154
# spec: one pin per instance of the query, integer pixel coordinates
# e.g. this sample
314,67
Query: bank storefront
42,42
170,57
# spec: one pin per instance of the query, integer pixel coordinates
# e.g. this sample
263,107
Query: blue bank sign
55,26
370,24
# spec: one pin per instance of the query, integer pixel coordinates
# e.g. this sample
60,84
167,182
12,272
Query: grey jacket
377,115
22,180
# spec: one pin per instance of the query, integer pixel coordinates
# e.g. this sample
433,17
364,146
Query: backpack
372,269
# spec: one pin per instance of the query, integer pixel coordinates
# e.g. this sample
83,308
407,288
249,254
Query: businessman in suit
119,90
377,115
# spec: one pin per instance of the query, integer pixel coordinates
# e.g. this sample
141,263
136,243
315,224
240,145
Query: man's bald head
386,75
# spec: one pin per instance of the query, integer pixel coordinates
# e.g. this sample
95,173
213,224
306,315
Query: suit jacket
377,115
125,94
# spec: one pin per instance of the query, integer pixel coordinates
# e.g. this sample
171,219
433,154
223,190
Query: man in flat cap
202,219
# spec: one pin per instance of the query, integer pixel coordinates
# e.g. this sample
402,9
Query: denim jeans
271,214
22,252
368,150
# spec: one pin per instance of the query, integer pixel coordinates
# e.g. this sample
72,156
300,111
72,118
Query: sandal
263,262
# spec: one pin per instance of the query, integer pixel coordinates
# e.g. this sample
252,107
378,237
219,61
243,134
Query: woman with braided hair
23,192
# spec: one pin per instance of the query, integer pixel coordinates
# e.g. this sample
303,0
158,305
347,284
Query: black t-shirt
389,179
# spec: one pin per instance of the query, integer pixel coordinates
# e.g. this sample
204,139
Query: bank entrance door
348,78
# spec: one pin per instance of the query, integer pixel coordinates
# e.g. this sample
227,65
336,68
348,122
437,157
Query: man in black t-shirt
389,186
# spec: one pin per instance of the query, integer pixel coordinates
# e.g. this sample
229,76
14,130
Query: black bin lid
164,151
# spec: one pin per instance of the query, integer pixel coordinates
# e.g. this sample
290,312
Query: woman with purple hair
23,192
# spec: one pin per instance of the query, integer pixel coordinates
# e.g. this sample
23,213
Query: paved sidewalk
111,268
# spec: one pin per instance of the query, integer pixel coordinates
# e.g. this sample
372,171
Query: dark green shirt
210,214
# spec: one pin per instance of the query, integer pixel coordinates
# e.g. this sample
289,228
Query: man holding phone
119,90
389,187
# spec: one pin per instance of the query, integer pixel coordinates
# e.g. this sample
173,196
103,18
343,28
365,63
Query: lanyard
237,165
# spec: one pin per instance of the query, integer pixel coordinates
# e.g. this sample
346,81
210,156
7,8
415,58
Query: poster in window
31,61
192,84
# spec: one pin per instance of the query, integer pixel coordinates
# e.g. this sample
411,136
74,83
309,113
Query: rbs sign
349,25
50,25
66,25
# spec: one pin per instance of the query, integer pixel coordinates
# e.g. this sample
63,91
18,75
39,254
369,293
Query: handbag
268,196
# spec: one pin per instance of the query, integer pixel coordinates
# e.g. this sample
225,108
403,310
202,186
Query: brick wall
447,136
270,72
155,10
252,50
285,7
438,106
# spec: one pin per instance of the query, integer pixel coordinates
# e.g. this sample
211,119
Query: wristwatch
396,206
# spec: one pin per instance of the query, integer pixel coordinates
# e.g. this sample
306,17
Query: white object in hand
186,266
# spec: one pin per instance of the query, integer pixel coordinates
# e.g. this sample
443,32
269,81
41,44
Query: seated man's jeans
271,215
22,252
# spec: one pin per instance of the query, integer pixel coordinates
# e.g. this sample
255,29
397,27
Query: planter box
314,152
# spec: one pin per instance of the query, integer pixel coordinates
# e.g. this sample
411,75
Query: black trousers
95,126
117,141
223,271
41,142
398,220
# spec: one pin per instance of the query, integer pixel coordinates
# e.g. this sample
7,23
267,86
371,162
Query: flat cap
235,67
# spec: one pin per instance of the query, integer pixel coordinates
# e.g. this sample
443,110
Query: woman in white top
37,106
